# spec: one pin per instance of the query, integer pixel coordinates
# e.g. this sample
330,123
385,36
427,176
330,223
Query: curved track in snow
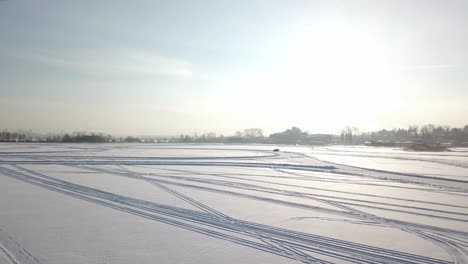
325,192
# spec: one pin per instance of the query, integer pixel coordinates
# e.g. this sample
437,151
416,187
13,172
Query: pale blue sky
168,67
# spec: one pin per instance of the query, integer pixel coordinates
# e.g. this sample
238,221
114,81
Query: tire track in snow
452,249
295,253
352,214
224,175
13,251
338,249
342,202
407,176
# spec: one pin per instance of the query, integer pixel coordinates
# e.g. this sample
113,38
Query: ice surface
163,203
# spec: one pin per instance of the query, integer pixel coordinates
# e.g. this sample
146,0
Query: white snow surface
174,203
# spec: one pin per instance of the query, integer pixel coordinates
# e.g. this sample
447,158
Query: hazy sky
168,67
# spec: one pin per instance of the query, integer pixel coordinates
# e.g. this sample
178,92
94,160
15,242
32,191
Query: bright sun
336,62
330,73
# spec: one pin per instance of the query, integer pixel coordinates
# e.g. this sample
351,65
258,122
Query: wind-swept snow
145,203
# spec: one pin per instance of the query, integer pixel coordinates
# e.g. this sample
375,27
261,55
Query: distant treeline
427,133
255,135
251,135
6,136
349,135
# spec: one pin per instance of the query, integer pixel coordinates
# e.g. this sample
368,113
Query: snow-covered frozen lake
156,203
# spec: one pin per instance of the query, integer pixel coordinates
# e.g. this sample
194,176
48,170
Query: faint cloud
436,66
115,62
431,67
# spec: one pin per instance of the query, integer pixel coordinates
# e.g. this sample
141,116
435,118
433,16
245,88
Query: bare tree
253,133
413,130
238,134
